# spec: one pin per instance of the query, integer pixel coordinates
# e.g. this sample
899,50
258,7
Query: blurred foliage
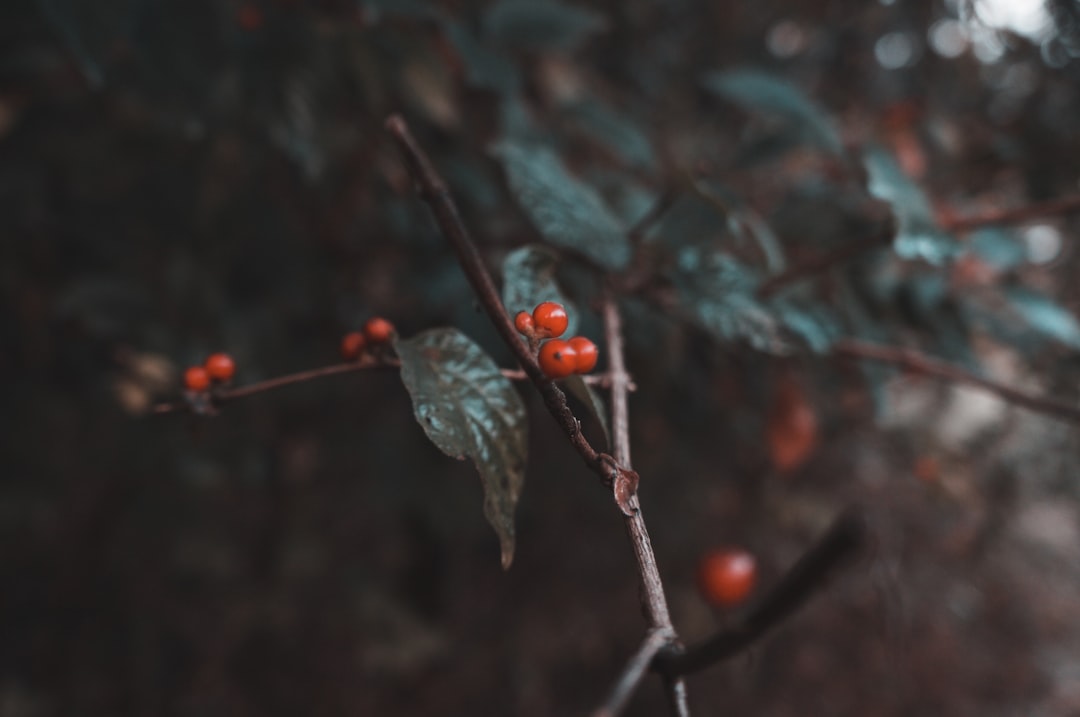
183,177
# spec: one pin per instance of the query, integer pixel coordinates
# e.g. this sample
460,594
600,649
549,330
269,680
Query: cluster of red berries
726,576
219,367
558,358
376,331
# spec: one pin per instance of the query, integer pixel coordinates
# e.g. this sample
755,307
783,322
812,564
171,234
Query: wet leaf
529,278
468,408
812,324
758,91
540,24
918,236
565,211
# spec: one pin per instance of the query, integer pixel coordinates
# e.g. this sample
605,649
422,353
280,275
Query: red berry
524,323
220,366
726,577
352,345
378,330
557,359
587,354
550,319
197,378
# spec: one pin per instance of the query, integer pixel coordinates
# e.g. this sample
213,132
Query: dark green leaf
529,278
468,408
1044,316
584,393
567,212
614,130
540,24
918,235
719,293
758,91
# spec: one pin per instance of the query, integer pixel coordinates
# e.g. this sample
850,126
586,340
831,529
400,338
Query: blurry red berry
727,576
378,330
220,366
352,345
197,378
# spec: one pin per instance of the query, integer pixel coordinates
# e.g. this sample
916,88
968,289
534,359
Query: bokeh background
179,177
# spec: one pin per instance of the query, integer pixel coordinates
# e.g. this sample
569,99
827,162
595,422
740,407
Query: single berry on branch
587,354
352,345
551,319
727,576
557,359
524,323
196,378
378,330
220,366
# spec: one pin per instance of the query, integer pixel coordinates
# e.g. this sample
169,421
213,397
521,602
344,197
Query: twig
840,543
1014,215
823,262
434,192
920,363
219,397
654,602
634,672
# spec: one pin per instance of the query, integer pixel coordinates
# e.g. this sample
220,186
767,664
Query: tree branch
920,363
654,602
827,260
634,672
219,397
434,192
1014,215
840,543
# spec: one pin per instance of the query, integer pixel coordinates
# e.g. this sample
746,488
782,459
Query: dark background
179,177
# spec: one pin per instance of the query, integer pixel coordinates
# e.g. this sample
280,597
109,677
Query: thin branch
634,672
224,396
434,192
654,602
825,261
920,363
844,539
1014,215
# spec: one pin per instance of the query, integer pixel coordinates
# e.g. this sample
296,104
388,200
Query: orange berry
524,323
220,366
587,354
352,345
727,576
557,359
378,330
197,378
550,319
792,428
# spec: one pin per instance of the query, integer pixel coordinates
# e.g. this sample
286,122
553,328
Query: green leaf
918,235
1044,316
814,325
583,392
758,91
468,408
540,24
998,248
565,211
529,278
719,293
